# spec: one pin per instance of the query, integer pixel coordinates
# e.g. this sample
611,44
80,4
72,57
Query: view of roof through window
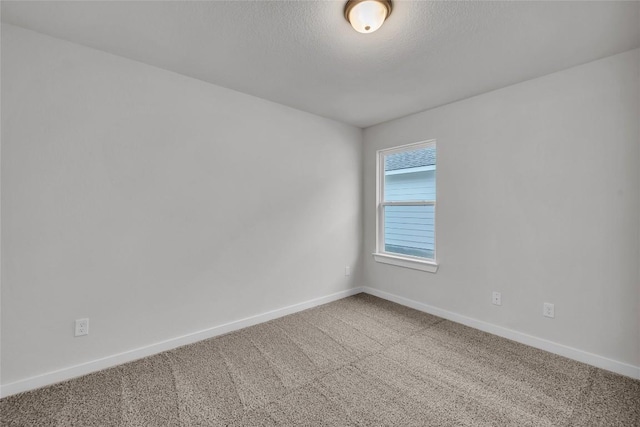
410,159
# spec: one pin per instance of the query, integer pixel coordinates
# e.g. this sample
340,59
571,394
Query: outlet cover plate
82,327
496,298
548,310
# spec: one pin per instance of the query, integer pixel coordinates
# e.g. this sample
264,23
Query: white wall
538,199
157,205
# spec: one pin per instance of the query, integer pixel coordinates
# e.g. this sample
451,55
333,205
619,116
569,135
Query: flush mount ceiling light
366,16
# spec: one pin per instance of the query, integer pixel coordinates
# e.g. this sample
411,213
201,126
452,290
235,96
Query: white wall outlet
347,271
548,310
82,327
497,298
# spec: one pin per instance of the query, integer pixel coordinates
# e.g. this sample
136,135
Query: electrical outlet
497,298
82,327
548,310
347,271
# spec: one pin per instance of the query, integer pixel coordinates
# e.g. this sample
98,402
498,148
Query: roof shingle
410,159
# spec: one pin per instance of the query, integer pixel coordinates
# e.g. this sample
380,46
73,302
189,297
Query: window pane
409,230
410,175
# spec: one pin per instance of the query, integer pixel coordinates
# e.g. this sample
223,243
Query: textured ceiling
305,55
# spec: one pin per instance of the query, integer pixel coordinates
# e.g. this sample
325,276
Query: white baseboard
542,344
138,353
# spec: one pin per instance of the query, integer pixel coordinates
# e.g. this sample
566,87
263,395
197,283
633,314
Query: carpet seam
230,373
323,375
584,394
174,382
269,362
364,313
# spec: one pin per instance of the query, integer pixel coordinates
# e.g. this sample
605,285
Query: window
406,208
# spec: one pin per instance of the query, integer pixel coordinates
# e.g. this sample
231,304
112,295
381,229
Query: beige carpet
358,361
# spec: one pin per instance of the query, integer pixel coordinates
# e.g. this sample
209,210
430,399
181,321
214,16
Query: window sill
400,261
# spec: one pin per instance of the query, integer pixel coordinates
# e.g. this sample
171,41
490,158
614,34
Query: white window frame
408,261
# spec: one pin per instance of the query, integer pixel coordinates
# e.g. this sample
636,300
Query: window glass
407,205
409,230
